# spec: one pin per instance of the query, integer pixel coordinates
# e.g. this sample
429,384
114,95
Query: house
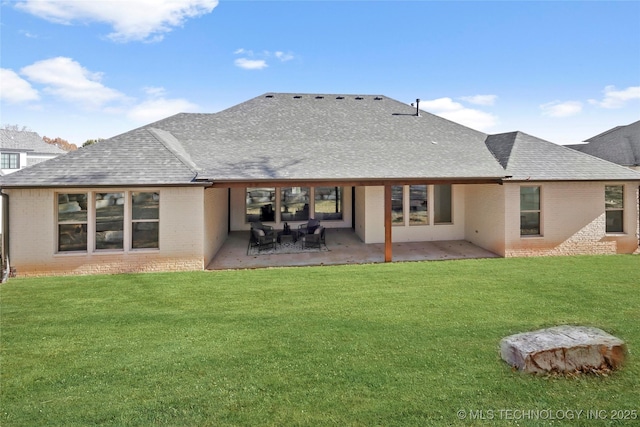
166,196
19,149
619,145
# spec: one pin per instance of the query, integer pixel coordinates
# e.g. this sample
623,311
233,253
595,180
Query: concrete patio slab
345,247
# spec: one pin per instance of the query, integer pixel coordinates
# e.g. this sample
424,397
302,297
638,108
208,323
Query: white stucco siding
216,219
572,220
485,216
33,236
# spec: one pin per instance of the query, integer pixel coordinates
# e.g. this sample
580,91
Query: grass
361,345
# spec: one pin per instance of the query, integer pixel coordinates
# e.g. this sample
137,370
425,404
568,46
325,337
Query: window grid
10,161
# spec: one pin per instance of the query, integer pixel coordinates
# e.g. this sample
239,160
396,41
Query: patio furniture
290,236
262,240
309,227
257,225
316,239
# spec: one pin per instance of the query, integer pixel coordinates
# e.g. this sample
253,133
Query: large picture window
109,220
72,222
614,208
418,208
294,204
145,220
328,203
261,204
530,211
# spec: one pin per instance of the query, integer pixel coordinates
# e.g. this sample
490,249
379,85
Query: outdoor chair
309,227
257,225
262,240
316,239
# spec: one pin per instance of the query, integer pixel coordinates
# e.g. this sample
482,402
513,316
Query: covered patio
344,247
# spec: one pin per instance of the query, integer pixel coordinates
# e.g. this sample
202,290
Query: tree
60,143
92,141
16,128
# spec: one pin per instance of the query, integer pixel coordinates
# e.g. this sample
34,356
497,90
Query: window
442,204
418,209
530,211
294,204
614,208
10,161
145,225
109,220
397,205
260,204
328,203
72,222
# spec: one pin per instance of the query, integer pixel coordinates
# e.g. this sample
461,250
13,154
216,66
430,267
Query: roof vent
417,105
319,97
297,97
269,96
359,98
339,97
377,98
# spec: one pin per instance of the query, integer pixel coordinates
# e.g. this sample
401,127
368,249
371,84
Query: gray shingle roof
619,145
529,158
139,159
303,136
281,136
12,140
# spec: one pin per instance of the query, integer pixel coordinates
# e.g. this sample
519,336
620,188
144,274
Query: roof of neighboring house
620,145
20,141
305,137
526,157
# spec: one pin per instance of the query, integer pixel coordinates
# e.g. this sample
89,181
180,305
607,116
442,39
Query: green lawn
360,345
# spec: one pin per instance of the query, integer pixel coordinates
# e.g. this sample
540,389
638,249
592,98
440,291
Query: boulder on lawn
563,349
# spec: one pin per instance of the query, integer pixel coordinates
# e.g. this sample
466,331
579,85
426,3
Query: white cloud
14,89
251,64
282,56
480,99
67,79
454,111
561,109
131,20
158,108
260,61
617,98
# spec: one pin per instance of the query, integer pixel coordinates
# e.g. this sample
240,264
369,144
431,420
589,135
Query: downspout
6,268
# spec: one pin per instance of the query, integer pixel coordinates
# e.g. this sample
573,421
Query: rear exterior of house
371,164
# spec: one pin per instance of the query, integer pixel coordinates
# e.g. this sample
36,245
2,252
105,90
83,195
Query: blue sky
83,69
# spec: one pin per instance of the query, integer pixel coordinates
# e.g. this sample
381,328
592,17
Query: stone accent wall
573,221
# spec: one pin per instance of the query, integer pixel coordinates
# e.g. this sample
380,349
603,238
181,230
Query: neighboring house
620,145
20,149
165,196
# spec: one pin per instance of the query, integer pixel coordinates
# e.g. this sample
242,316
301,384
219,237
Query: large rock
563,349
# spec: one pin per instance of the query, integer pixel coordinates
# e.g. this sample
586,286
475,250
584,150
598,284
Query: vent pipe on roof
417,105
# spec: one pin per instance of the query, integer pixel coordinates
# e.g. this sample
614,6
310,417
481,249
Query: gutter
6,267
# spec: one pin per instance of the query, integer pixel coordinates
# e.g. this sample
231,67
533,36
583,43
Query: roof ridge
173,145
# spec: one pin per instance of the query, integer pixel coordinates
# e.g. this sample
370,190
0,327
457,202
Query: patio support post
387,224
